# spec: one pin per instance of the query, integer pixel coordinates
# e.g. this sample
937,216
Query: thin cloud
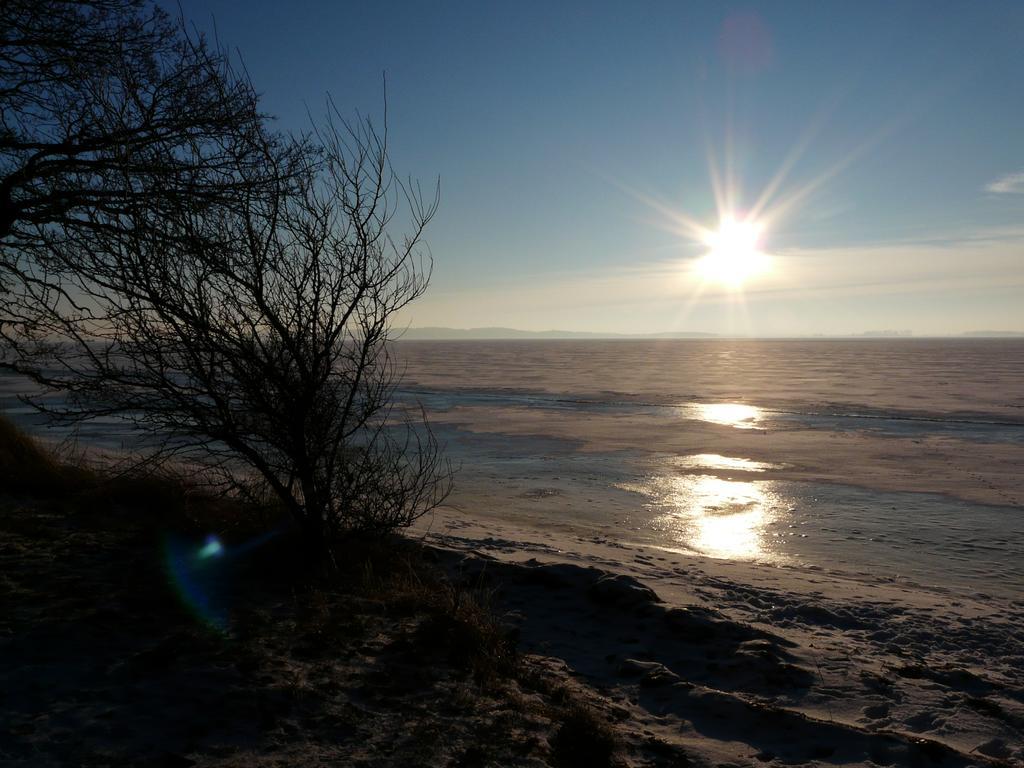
963,271
1010,184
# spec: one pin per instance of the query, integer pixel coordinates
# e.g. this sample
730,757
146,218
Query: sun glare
734,254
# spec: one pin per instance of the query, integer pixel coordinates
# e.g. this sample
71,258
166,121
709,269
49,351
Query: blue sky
566,135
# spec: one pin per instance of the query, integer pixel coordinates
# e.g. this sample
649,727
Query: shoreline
882,658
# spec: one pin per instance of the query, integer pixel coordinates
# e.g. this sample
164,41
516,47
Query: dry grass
139,498
584,739
459,619
25,466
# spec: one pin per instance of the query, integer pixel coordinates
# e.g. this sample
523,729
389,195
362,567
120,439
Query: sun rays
729,255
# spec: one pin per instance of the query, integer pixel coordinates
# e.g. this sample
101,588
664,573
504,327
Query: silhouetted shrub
27,466
584,739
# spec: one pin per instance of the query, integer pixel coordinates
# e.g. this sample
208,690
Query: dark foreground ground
129,636
121,645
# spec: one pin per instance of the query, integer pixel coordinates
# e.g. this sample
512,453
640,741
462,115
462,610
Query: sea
886,459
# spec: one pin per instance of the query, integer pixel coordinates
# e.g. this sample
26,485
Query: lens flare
195,573
201,574
212,548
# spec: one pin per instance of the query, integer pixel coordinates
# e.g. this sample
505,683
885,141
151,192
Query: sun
734,255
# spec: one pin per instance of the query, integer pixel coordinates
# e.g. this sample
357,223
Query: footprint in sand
923,721
876,711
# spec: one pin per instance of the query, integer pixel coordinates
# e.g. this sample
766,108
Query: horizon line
503,333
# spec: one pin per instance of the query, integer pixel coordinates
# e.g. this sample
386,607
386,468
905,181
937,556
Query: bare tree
229,291
109,105
253,339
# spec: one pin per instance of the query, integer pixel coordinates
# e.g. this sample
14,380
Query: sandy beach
817,668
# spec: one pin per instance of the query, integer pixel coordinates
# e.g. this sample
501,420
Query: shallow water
981,427
731,508
910,537
589,433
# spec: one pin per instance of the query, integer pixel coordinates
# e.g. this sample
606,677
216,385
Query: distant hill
445,334
887,334
995,334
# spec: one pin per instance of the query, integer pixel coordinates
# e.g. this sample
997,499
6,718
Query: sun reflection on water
717,461
738,415
716,517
